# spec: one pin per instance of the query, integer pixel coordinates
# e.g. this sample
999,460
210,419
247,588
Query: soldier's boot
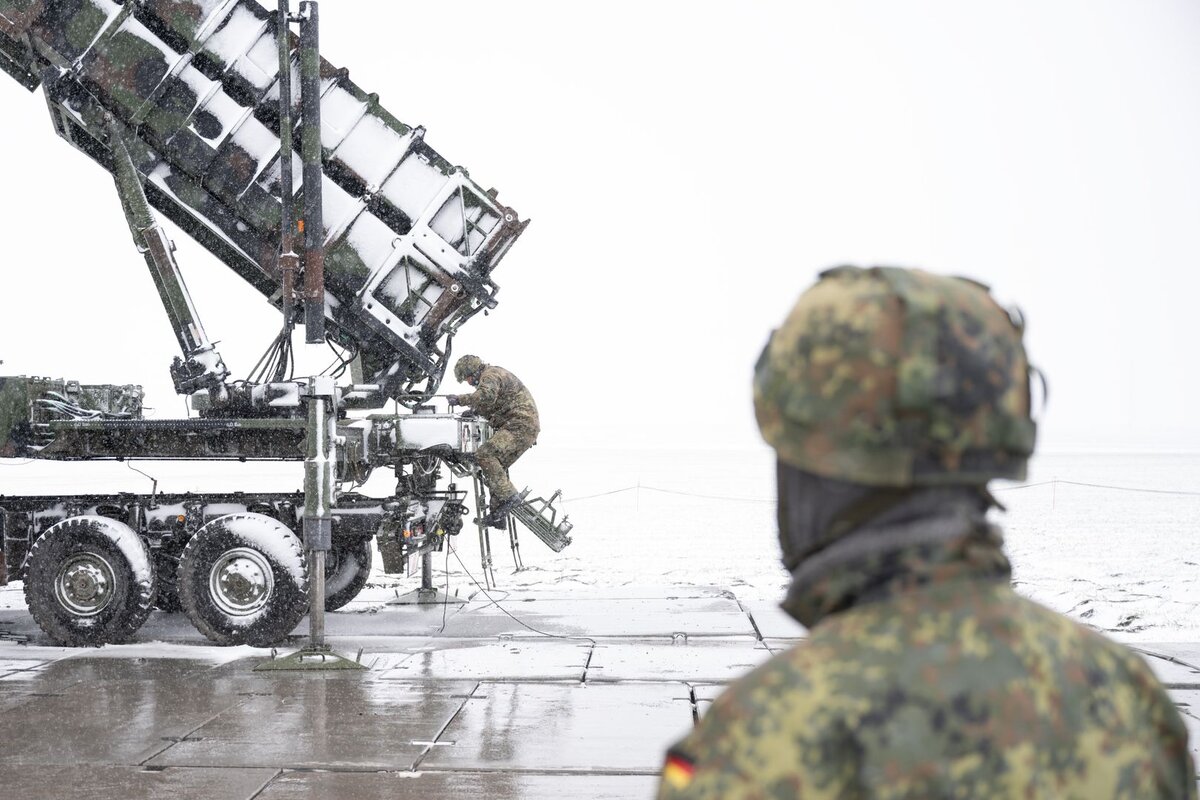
498,517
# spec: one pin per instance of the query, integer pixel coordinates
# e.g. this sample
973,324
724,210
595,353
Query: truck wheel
347,568
90,581
243,580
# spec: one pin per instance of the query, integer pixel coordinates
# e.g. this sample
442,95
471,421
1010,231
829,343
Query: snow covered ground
1122,561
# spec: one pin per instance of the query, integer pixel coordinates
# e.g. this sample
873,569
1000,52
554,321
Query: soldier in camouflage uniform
502,400
891,397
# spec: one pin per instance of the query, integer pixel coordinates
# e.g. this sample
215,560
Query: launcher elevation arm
201,366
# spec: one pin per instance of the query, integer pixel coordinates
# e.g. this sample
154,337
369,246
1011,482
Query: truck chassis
382,250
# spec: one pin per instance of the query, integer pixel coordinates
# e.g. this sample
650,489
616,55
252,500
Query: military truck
350,225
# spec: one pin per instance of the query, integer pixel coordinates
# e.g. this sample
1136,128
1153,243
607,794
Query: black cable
153,483
58,403
337,357
287,362
446,593
263,359
329,369
342,359
506,613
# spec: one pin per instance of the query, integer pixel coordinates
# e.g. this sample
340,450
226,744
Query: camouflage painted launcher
411,240
28,407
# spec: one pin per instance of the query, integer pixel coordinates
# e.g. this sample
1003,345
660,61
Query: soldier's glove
452,399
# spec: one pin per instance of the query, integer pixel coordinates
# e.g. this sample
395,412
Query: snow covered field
1123,561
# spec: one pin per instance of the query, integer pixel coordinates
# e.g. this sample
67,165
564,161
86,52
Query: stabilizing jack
319,478
427,593
320,465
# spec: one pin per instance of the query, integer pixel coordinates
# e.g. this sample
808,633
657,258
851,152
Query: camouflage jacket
503,400
936,680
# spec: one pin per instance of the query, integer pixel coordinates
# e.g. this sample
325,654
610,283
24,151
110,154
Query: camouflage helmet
467,365
896,377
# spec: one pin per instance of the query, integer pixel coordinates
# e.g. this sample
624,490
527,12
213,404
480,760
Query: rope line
707,496
668,491
1023,486
602,494
1131,489
1177,492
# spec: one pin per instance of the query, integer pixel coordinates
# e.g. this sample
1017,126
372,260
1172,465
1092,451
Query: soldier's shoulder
1089,644
758,731
497,372
790,687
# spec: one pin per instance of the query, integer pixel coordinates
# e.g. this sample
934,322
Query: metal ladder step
541,518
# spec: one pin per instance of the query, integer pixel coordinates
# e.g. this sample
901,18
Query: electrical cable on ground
506,612
446,593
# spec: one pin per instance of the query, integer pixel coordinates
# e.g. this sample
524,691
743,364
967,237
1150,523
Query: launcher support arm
201,366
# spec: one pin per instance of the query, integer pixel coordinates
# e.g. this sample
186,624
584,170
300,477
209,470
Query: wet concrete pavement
538,696
541,696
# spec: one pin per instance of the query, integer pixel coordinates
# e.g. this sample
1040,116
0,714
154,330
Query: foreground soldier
891,397
503,401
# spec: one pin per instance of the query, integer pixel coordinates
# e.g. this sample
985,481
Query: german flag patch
678,770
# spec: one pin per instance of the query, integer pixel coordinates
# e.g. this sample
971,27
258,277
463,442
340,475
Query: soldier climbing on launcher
502,400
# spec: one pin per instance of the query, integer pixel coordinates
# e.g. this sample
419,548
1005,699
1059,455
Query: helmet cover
897,377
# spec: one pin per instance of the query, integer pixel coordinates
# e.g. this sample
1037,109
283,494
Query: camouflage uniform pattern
502,400
894,377
925,675
938,681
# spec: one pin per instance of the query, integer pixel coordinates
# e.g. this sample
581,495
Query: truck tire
90,581
347,568
243,580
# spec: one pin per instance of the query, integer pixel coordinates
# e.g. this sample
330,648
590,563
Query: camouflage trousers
498,454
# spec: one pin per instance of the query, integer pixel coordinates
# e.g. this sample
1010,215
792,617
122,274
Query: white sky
689,166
